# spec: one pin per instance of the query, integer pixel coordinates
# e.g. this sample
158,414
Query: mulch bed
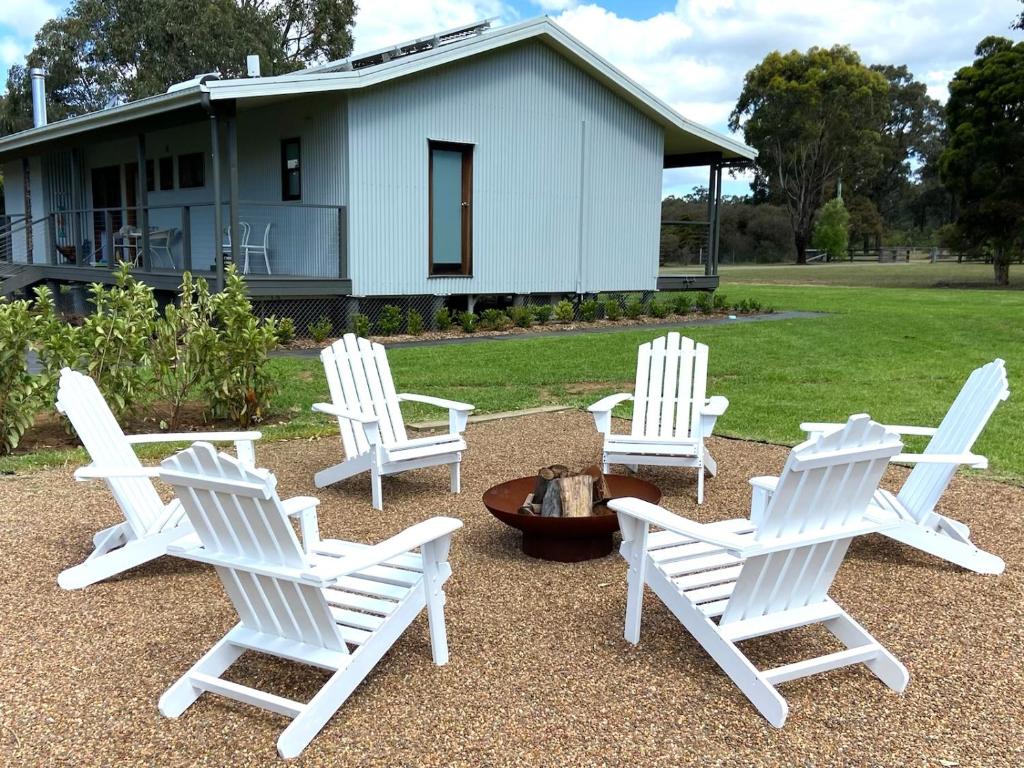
539,672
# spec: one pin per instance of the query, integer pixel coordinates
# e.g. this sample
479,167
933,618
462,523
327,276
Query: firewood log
527,506
600,484
577,495
544,476
552,504
560,470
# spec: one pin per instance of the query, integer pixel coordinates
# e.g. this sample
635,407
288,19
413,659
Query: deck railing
274,239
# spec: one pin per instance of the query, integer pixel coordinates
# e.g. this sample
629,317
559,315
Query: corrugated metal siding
524,109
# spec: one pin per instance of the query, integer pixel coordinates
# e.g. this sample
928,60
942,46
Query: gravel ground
539,672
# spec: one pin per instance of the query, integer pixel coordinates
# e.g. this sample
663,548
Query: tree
103,52
865,223
809,115
982,164
831,232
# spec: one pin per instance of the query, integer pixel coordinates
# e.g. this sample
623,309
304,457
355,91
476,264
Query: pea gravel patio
539,672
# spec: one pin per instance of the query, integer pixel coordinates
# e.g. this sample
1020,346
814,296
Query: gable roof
682,136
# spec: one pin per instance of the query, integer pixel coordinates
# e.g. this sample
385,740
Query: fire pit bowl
565,539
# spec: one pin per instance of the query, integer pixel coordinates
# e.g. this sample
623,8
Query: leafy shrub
704,303
58,340
286,332
183,345
116,339
634,308
718,301
239,384
443,319
360,325
390,321
588,310
612,309
564,312
320,329
467,320
682,304
542,313
522,317
494,320
19,390
659,309
414,322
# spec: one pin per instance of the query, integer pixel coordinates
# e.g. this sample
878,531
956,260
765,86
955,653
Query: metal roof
682,136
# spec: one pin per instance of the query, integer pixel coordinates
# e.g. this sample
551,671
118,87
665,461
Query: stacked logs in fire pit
560,492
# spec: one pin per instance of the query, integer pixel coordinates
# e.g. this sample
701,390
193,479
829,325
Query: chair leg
885,666
376,489
455,471
710,465
434,553
700,485
214,662
634,602
132,554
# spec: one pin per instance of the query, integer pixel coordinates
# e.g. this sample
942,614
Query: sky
692,54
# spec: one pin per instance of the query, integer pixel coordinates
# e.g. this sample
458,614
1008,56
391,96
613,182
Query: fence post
186,238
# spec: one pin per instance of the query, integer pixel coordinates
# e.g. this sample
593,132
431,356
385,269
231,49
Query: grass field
899,354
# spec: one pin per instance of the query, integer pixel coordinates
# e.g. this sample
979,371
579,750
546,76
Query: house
481,161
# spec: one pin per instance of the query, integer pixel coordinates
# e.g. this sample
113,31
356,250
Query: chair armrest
715,406
458,413
412,537
304,508
812,427
602,410
764,482
91,472
971,460
191,437
440,402
661,517
334,410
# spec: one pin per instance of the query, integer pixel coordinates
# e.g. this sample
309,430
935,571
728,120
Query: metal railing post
343,242
186,238
108,238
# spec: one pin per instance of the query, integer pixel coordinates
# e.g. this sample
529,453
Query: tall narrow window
451,208
166,173
291,169
150,177
191,171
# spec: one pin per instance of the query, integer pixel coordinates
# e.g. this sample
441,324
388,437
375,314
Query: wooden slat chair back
670,388
359,379
825,488
963,423
242,523
80,400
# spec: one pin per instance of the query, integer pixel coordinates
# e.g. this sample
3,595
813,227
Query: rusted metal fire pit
565,539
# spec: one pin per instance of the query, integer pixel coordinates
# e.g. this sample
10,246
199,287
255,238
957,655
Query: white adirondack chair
919,525
149,524
772,577
370,419
671,413
332,604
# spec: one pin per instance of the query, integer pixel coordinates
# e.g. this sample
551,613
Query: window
451,208
166,173
291,169
150,179
191,171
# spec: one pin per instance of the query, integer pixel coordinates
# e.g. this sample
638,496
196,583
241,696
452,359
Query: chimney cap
252,65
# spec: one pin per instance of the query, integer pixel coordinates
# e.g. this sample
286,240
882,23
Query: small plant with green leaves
492,319
719,302
443,319
360,325
19,390
634,308
467,321
659,309
612,309
542,313
414,323
286,331
682,304
390,321
704,303
521,317
240,384
564,312
588,310
58,343
320,329
183,346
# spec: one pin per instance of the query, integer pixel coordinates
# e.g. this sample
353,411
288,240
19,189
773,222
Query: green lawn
898,354
915,274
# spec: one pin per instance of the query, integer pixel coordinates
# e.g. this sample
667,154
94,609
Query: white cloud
24,18
380,23
555,5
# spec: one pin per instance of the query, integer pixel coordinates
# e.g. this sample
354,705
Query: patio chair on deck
258,250
149,524
331,604
370,419
771,575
